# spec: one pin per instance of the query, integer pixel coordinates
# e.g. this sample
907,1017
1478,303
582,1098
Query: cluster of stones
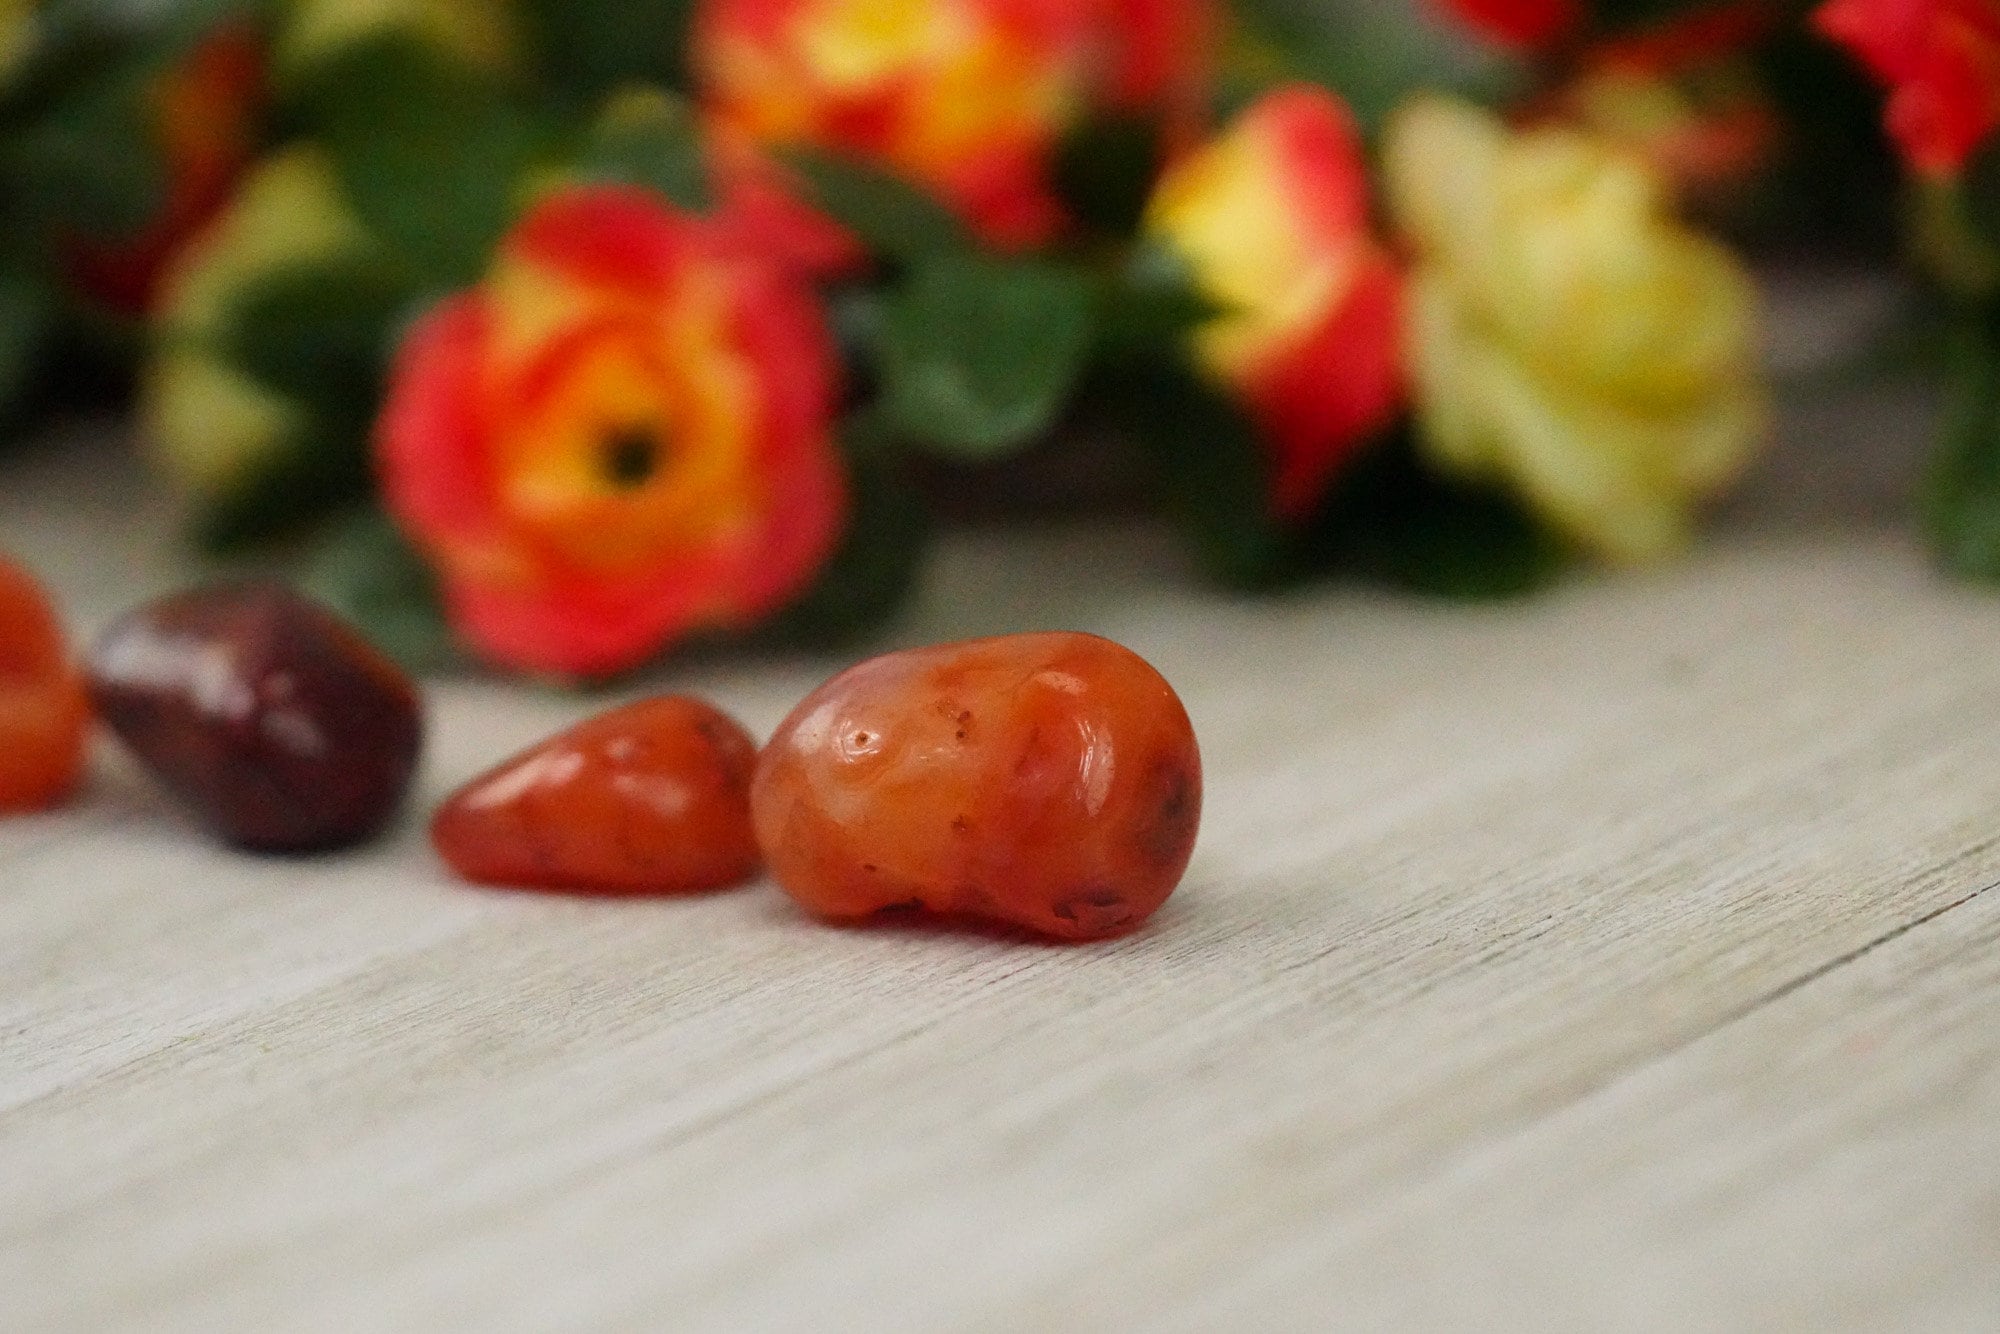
1048,782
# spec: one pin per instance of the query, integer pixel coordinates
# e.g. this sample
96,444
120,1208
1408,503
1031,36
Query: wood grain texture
1627,958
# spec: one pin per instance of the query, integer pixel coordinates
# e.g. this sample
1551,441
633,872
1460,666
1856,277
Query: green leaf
588,48
83,44
27,314
1979,193
856,314
163,30
89,163
979,356
1150,305
366,571
1625,15
1374,55
1962,493
319,332
433,155
891,216
652,142
325,468
1105,170
1392,518
874,571
1209,461
79,142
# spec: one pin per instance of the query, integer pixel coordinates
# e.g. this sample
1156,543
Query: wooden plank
1829,1161
1500,913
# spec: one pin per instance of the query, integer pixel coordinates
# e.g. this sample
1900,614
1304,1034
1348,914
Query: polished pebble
1046,781
44,710
652,798
278,724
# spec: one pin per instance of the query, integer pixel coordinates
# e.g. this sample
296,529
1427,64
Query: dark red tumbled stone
275,721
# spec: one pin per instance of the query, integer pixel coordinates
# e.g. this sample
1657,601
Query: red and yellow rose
1272,218
1941,61
1159,55
968,98
623,435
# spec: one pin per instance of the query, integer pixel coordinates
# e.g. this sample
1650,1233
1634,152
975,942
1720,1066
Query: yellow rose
479,32
211,427
1567,335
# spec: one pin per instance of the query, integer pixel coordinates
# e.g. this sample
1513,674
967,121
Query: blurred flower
1567,335
211,428
1705,134
761,205
17,35
205,118
1941,60
478,32
1682,94
1524,24
1272,218
622,436
1161,55
967,97
1948,244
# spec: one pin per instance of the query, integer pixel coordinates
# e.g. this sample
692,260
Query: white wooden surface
1628,958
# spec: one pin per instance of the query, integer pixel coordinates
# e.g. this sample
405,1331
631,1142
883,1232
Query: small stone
44,709
652,798
275,721
1046,781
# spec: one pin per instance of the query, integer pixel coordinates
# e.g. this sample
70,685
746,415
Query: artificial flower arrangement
559,332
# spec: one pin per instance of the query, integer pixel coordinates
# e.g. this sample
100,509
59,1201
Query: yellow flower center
634,421
857,45
941,81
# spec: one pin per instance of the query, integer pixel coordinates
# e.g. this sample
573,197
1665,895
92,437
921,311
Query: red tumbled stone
1045,781
650,798
44,712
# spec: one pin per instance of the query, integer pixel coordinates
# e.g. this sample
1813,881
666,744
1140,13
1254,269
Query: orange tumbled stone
652,798
44,707
1046,781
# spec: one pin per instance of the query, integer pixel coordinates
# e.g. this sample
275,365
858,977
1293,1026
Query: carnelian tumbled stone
270,717
44,708
1046,781
650,798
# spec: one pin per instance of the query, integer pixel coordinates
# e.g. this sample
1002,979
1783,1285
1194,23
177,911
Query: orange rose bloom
1272,219
623,435
206,128
966,97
